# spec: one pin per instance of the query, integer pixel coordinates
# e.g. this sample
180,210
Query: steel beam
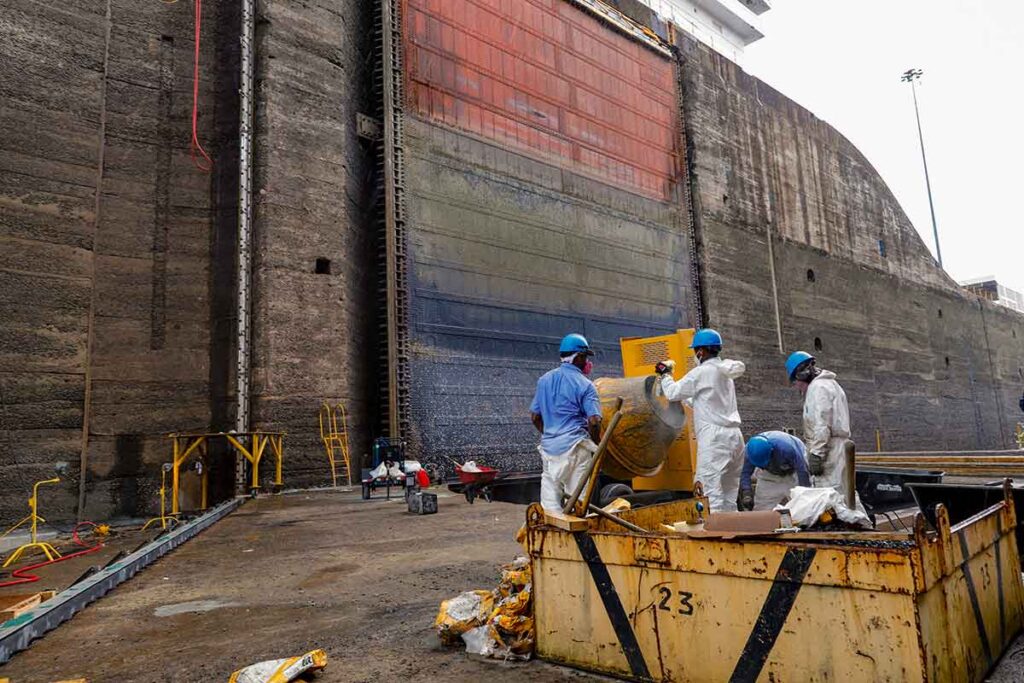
17,634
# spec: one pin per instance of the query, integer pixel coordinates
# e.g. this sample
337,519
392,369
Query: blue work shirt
789,455
565,400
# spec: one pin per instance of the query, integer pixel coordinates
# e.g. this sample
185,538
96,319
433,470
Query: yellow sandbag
515,633
462,613
514,605
281,670
516,574
494,624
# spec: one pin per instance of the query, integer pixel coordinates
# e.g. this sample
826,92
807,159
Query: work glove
816,464
665,367
746,500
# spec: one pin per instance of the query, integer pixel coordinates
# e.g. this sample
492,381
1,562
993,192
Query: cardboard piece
737,524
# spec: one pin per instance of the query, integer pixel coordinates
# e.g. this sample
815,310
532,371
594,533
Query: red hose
20,575
199,156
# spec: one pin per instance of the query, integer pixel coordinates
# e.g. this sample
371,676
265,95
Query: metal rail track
17,634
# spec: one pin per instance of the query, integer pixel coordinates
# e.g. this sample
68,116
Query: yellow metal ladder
336,441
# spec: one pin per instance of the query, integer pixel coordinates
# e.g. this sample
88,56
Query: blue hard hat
575,343
706,337
759,451
795,360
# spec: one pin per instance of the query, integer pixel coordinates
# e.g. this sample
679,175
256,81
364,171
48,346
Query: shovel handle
595,464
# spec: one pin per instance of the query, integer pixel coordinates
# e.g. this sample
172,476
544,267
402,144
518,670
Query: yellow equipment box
923,605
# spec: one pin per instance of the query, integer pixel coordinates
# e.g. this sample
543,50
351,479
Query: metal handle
850,453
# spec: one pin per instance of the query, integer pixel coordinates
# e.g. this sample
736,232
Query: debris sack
807,505
511,623
461,614
281,670
505,630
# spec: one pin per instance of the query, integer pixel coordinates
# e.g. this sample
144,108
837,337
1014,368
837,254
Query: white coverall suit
710,390
827,428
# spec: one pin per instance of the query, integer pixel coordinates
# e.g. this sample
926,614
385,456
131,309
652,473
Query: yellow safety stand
33,516
259,444
185,445
335,441
164,518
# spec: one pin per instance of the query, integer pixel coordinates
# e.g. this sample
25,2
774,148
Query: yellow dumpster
925,605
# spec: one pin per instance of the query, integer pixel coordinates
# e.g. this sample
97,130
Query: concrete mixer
648,441
653,444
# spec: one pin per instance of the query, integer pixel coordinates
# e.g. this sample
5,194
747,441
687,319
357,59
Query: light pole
909,76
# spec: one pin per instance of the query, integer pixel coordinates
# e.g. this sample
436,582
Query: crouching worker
567,413
781,463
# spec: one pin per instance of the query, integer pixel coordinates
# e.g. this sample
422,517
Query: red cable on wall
199,156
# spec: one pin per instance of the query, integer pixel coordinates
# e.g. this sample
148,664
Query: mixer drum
648,426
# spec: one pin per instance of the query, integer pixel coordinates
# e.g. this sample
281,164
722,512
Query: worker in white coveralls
567,413
826,419
780,461
709,389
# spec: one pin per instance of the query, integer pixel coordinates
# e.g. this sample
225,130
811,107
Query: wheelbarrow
477,483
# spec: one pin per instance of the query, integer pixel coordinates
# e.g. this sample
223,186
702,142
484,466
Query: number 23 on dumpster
675,601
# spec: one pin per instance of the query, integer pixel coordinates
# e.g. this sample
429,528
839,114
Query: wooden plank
565,522
12,606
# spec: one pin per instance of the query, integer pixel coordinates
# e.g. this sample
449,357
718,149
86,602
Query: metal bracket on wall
18,633
368,127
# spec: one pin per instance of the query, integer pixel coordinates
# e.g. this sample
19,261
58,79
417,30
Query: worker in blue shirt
567,413
781,463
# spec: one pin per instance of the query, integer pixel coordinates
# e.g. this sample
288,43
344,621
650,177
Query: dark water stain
127,474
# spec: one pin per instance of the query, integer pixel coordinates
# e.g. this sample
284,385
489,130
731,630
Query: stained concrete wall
106,243
314,183
509,254
925,364
536,206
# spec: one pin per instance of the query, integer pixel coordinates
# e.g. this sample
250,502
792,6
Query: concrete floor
283,575
287,574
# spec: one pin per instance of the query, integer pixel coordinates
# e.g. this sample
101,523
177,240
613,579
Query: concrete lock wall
314,185
544,195
109,298
151,262
924,363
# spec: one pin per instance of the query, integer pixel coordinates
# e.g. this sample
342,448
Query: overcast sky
843,60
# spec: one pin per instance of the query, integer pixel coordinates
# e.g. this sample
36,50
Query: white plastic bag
806,505
479,641
470,466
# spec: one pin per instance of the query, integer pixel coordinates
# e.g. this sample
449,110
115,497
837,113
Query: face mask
587,367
